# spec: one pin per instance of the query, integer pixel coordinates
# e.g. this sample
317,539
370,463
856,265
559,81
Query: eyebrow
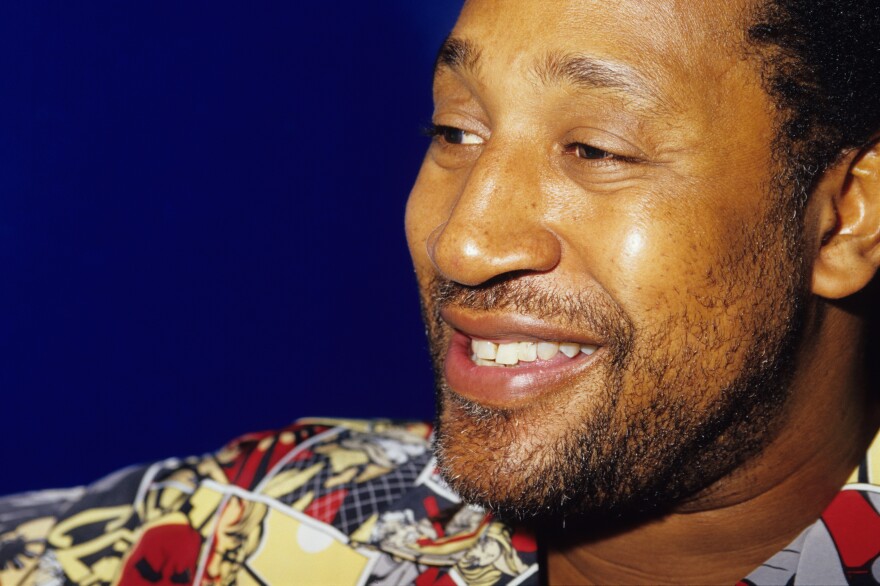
458,54
577,70
588,72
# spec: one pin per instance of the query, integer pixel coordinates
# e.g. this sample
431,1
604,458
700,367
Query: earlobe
849,252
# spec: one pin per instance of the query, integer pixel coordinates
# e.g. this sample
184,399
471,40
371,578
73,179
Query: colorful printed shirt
335,502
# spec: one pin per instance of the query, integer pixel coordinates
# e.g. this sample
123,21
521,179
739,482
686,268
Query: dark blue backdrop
201,223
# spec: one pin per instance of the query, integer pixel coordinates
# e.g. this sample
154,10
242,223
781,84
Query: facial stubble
657,419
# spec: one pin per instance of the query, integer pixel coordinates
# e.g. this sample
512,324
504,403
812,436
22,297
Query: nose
497,225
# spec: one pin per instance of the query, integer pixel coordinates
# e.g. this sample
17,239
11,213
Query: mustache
588,310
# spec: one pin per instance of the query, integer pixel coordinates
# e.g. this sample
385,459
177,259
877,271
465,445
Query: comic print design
361,474
24,521
322,501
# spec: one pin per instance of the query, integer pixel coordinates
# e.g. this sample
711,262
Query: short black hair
820,61
821,64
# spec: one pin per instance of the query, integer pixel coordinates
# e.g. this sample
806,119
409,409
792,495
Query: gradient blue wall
201,224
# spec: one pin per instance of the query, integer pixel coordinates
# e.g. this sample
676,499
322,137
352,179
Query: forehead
645,26
652,41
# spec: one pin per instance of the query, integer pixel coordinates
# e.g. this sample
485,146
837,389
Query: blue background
201,224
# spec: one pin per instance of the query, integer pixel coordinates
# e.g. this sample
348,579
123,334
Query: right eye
452,135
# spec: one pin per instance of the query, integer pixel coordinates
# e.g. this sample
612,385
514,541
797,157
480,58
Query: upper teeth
486,353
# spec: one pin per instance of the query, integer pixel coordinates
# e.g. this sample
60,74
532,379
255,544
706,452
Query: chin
608,448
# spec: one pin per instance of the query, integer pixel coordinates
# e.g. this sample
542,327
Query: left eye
585,151
452,135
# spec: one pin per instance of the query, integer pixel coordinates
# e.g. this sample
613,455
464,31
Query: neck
724,532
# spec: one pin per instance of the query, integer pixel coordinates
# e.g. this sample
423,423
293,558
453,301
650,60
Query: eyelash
440,132
599,158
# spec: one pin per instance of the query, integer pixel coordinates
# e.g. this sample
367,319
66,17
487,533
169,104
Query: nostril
432,244
433,237
471,253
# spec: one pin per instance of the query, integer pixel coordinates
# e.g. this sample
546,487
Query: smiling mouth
520,353
508,359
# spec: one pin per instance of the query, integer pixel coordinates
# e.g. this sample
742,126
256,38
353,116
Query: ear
849,251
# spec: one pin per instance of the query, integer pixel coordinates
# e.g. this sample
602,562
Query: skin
640,216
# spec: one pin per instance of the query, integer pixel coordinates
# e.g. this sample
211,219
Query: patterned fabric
843,546
337,502
320,502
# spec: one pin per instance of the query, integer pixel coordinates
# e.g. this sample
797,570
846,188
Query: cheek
658,265
641,263
704,288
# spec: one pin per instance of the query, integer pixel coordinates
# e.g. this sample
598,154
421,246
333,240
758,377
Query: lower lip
508,386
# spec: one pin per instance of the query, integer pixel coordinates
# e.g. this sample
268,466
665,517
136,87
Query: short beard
607,450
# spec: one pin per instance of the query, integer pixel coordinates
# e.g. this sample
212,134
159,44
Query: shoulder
323,500
27,520
97,533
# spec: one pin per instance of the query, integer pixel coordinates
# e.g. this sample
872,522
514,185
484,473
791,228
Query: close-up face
609,285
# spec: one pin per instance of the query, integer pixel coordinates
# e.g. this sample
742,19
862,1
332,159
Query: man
646,235
629,180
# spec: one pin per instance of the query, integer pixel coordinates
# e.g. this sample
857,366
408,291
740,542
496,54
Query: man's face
600,183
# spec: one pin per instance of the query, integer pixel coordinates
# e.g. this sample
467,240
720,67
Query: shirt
344,502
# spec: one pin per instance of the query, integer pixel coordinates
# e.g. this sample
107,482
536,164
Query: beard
671,406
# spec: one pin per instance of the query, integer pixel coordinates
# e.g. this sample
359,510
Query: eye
453,135
591,153
585,151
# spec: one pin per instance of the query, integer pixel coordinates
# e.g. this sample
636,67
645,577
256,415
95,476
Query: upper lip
511,327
